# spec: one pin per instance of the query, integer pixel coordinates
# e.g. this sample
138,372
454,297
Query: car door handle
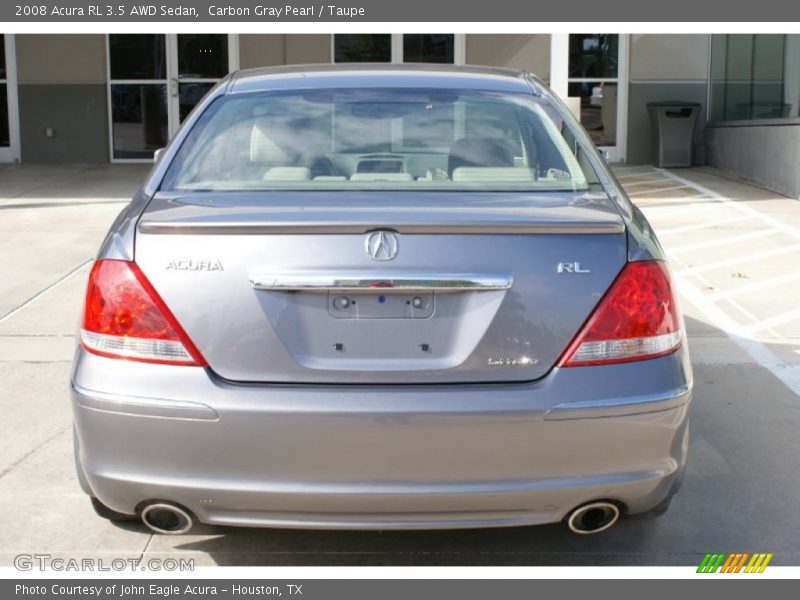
355,281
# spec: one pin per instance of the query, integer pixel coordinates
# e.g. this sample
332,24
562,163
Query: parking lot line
669,211
725,241
670,202
699,226
44,290
738,260
650,181
622,168
766,219
647,193
740,334
754,287
787,317
758,351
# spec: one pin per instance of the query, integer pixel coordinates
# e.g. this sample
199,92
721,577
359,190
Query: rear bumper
380,456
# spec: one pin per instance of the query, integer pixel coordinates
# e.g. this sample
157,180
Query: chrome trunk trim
187,227
355,281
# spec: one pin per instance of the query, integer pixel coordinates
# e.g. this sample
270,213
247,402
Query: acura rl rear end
380,297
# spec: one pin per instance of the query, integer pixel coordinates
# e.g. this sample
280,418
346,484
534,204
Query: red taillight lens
124,317
636,319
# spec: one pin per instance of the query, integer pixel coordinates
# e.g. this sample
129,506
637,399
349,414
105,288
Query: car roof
378,75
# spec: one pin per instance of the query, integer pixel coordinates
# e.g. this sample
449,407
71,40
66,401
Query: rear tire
107,513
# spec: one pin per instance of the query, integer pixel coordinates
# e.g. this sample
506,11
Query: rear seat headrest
480,152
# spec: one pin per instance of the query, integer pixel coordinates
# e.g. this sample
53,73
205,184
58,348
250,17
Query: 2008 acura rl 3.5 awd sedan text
380,297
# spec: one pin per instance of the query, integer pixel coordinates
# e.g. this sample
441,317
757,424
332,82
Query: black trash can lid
675,103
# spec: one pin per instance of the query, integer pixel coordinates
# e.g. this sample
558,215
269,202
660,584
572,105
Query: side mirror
603,153
158,154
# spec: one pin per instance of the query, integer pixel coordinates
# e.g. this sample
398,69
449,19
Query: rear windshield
379,139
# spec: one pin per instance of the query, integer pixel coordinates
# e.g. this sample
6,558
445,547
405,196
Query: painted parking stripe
754,287
672,201
689,210
646,193
640,179
737,205
738,260
699,226
788,374
725,241
38,294
787,317
640,175
706,284
651,181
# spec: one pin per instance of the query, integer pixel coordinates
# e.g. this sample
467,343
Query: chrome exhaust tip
166,518
593,517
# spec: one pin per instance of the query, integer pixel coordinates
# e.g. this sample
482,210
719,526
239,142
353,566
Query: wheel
103,511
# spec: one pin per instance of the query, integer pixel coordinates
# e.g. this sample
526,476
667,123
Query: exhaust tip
593,517
166,518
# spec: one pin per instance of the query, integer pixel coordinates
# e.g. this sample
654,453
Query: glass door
596,67
137,95
9,123
362,47
198,62
155,81
445,48
429,48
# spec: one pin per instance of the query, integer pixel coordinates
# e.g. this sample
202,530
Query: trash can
672,123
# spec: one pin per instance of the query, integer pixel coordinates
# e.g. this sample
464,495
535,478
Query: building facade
89,98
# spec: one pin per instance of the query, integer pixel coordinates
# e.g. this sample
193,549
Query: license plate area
381,305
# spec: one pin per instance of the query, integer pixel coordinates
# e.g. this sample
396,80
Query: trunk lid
281,287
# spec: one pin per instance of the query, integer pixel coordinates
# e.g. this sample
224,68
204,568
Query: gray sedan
389,297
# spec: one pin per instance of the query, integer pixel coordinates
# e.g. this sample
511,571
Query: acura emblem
381,245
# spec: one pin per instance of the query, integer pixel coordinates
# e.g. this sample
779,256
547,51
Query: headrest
480,152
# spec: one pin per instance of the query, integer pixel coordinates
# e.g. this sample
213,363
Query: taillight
124,317
636,319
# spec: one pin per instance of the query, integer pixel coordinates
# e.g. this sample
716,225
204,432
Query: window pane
738,71
791,76
754,76
137,56
4,133
203,56
719,48
767,95
385,139
190,95
359,47
593,55
138,119
429,47
598,110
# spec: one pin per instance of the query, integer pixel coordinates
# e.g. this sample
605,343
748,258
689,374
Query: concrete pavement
734,249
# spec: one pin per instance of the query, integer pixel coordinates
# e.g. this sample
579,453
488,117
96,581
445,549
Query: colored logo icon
739,562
